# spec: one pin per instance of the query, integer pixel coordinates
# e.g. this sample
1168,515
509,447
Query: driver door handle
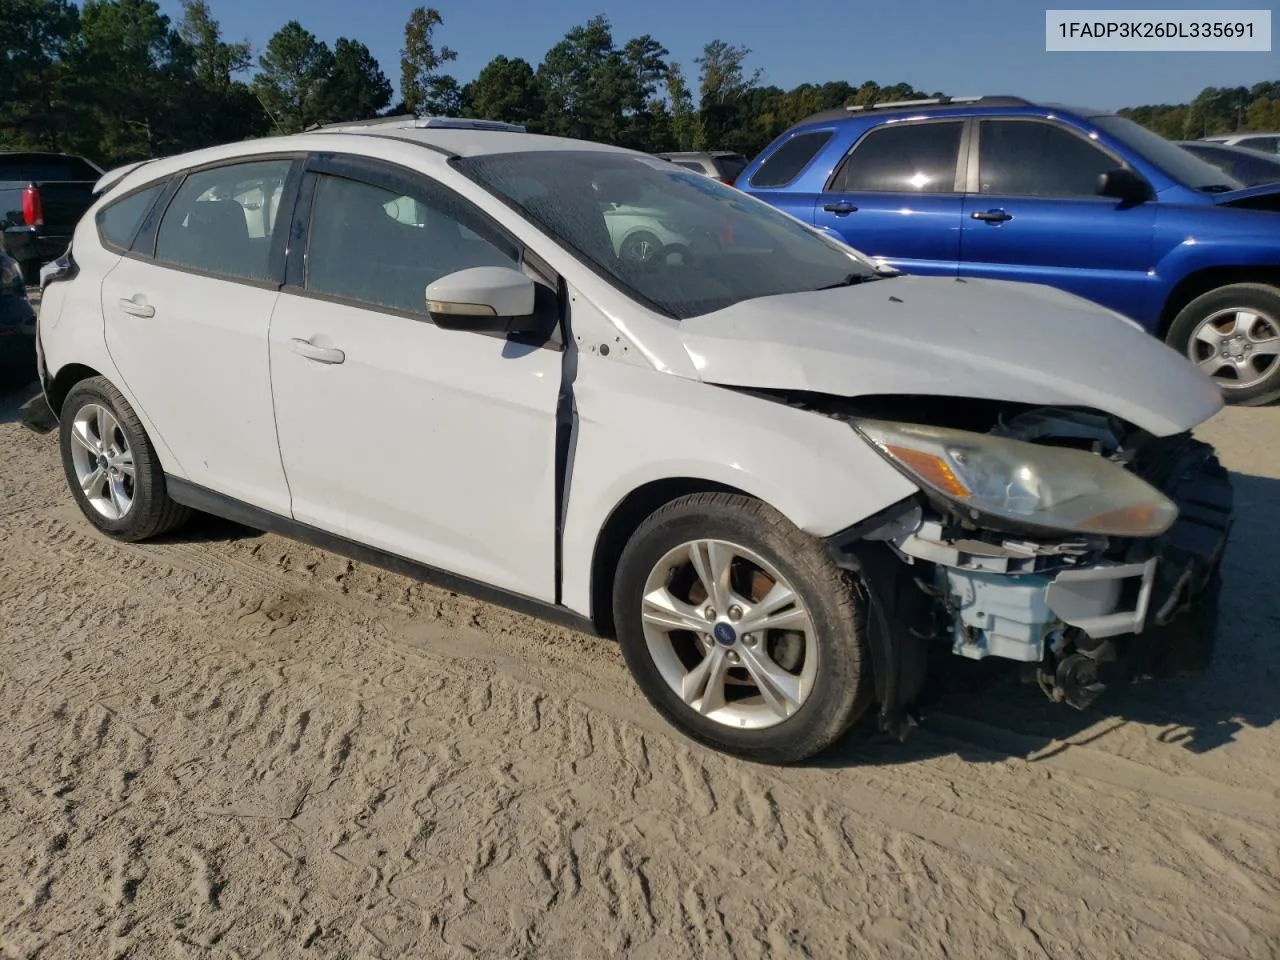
843,208
991,216
309,350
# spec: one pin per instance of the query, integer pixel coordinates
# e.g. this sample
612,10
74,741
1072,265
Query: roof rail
890,105
411,122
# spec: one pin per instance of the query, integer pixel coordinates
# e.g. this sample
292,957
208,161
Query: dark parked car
42,197
17,328
722,165
1250,167
1078,199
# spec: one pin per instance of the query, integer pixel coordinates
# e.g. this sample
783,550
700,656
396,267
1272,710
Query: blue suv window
1026,158
906,158
784,164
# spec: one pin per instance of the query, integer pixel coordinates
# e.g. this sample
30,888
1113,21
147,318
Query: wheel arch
622,522
64,380
60,384
1202,281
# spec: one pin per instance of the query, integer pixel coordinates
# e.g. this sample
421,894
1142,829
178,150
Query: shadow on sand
989,715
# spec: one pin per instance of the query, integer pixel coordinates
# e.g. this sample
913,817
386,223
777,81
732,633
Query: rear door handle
991,216
841,209
319,354
137,307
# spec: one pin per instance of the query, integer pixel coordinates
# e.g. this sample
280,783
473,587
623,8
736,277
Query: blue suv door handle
840,209
991,216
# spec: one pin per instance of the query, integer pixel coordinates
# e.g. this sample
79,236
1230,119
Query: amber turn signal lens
931,469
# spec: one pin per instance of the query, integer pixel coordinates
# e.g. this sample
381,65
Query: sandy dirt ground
227,745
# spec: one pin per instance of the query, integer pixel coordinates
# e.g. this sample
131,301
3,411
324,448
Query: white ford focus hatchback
779,475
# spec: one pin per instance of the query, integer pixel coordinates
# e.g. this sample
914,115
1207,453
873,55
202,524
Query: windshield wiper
851,280
1217,188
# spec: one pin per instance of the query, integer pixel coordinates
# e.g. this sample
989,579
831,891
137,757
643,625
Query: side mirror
1124,185
483,299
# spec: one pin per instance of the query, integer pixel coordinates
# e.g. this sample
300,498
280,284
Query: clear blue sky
959,47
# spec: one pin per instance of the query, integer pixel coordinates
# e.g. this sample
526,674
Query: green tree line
1214,110
117,80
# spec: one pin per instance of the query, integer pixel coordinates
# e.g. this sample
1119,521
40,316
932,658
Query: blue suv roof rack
838,113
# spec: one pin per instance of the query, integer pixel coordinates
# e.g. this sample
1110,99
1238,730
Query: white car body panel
439,446
199,367
636,426
72,331
969,338
435,445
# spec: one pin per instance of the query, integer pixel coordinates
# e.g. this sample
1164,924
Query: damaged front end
1127,589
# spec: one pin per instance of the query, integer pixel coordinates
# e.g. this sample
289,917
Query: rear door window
789,160
903,158
222,221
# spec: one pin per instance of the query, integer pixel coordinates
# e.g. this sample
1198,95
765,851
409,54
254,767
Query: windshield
1187,169
676,240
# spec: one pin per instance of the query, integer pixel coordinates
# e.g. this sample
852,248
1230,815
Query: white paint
438,445
198,366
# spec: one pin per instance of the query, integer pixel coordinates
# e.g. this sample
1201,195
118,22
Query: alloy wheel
1239,348
729,635
103,461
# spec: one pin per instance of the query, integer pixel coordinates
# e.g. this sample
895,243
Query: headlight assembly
1053,488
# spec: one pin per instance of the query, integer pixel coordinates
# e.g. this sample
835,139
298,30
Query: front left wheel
1233,334
740,629
111,465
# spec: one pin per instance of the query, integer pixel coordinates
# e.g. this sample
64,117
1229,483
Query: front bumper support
1081,611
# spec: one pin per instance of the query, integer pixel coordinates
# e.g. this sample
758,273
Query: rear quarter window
118,222
789,160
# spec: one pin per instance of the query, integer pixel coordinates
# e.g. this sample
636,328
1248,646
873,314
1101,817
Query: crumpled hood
933,336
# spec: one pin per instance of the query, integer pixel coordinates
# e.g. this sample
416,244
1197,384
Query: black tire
152,512
31,273
842,688
1259,298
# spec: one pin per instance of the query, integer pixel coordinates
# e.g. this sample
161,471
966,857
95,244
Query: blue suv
1079,199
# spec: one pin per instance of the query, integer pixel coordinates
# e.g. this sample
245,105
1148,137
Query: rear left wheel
111,466
740,629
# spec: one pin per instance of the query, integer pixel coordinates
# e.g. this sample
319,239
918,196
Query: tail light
32,206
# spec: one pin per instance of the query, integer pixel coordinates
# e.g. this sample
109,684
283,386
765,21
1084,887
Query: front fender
636,426
1202,253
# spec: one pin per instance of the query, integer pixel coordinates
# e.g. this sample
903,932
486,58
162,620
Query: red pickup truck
42,198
